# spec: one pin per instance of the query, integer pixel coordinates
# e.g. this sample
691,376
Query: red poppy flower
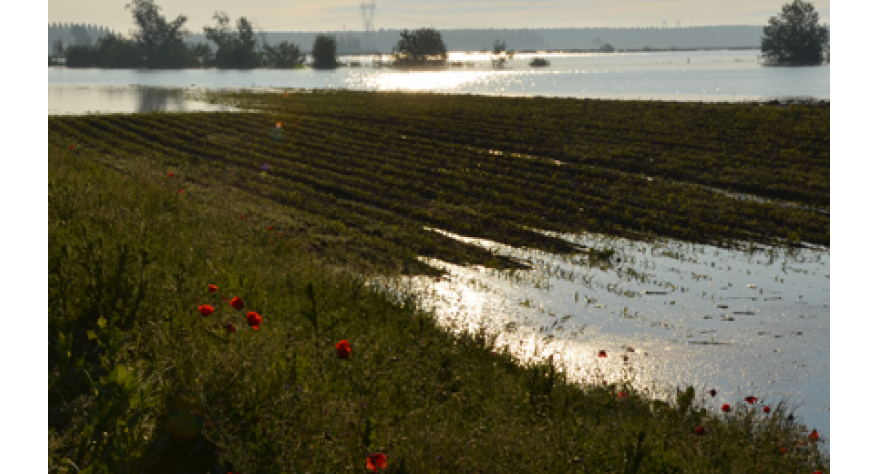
237,303
206,310
700,431
72,147
343,349
212,288
712,393
170,174
254,320
602,353
751,399
242,217
725,408
180,190
766,409
229,327
814,436
783,450
270,227
817,472
224,298
376,461
622,394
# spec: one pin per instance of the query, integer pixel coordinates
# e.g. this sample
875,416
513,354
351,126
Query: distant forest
72,34
353,42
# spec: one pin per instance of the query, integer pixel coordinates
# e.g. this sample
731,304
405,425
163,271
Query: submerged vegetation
208,310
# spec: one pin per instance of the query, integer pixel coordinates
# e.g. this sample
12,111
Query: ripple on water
743,322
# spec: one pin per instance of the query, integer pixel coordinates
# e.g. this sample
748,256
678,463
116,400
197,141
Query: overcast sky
331,15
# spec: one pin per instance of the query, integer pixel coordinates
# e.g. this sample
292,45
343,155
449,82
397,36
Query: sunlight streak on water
744,323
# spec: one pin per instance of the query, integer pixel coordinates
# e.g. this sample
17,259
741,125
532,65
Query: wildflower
72,147
602,353
254,320
712,393
206,310
725,408
278,125
376,461
180,190
343,349
622,394
783,450
791,417
212,288
270,227
242,217
229,327
170,175
700,431
751,399
237,303
814,436
766,409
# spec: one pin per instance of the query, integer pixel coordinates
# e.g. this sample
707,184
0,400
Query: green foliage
284,55
160,42
420,47
324,52
139,381
234,49
795,37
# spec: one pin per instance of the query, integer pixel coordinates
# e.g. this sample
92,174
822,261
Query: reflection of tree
152,100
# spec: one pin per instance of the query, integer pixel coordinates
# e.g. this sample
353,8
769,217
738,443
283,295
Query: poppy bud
254,320
700,431
602,353
712,393
766,409
237,303
212,288
343,349
230,327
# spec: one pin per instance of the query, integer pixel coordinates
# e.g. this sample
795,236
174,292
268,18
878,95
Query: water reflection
743,322
82,99
678,76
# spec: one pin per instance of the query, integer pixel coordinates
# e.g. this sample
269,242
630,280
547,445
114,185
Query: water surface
680,76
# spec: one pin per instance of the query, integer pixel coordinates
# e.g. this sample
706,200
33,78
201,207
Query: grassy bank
141,381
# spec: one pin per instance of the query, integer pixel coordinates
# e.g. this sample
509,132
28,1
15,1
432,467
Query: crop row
383,187
737,147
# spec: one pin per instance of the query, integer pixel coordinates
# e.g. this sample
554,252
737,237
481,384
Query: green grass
139,381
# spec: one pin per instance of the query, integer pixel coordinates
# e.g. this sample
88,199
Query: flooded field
742,322
78,99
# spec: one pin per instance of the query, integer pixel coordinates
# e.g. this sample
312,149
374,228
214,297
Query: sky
335,15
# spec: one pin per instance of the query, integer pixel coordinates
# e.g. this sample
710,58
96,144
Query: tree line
793,37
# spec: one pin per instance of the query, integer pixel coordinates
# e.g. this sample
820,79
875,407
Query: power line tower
368,15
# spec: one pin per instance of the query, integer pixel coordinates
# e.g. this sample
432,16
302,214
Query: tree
500,54
795,37
285,55
607,48
422,46
160,42
81,37
234,49
324,52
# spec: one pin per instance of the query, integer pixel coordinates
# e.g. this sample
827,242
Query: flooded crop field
689,242
667,314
